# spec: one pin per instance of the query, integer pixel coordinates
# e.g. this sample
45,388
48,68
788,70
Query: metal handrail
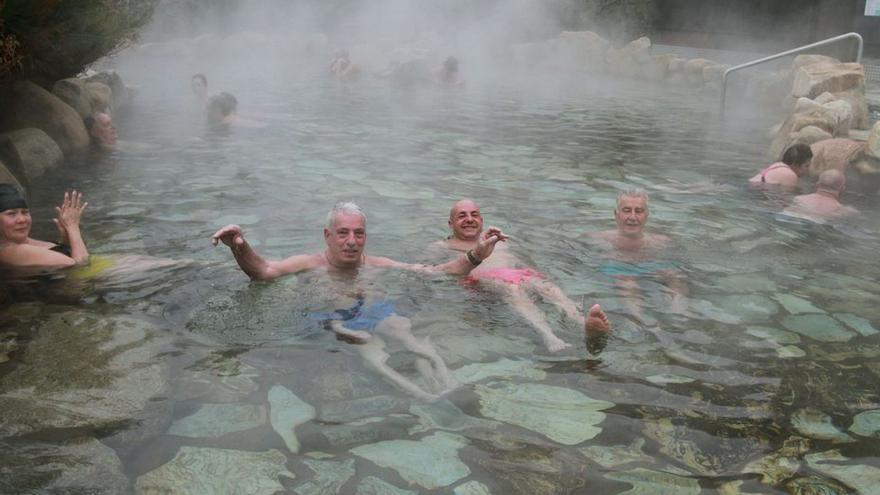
804,48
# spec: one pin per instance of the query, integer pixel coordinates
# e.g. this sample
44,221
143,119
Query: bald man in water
507,275
824,204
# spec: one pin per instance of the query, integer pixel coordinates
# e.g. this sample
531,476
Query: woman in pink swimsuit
795,163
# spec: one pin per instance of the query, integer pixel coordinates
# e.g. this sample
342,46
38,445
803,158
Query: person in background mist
447,73
824,204
199,85
18,251
795,164
101,130
341,67
220,110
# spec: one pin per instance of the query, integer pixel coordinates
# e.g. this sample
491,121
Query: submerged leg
375,356
523,304
400,328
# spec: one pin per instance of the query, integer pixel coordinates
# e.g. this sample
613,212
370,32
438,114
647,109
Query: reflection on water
191,377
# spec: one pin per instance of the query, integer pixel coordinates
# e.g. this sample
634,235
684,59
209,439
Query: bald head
465,220
831,180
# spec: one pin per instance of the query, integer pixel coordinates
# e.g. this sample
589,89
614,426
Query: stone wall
39,128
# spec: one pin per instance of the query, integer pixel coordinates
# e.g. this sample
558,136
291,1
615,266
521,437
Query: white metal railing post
802,49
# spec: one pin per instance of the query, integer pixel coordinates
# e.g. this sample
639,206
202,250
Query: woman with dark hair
795,163
19,250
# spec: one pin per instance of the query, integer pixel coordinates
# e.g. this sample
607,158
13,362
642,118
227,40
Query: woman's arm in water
69,216
254,265
27,255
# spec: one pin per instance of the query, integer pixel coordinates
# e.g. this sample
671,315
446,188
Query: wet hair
347,208
11,198
633,193
224,102
451,64
797,155
202,77
89,122
831,180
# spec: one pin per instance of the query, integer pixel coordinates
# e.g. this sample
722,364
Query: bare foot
596,320
556,344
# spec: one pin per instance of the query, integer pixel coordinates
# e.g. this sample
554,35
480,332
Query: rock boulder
812,80
29,153
73,92
27,105
7,177
121,95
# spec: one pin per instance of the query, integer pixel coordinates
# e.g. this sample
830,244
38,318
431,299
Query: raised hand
69,213
230,235
487,242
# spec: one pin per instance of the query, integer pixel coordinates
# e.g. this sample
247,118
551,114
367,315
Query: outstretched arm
254,265
462,264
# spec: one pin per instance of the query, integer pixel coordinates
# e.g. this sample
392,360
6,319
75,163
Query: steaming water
767,340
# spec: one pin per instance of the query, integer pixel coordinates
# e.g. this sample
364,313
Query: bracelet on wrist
471,258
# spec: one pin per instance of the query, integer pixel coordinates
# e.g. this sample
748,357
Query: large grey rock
810,59
29,153
814,79
121,94
7,177
73,92
27,105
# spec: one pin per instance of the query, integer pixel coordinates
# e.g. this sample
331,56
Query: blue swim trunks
635,269
358,317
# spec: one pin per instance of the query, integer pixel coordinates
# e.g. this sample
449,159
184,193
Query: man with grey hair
824,204
634,252
345,236
364,316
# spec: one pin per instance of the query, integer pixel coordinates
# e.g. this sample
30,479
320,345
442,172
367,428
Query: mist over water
780,315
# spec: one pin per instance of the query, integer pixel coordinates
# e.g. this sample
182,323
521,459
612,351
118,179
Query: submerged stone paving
216,420
431,462
574,415
286,412
196,470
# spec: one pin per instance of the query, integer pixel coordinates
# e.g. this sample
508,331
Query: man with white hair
824,204
634,252
363,316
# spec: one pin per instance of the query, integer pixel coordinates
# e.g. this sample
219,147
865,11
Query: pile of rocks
38,128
